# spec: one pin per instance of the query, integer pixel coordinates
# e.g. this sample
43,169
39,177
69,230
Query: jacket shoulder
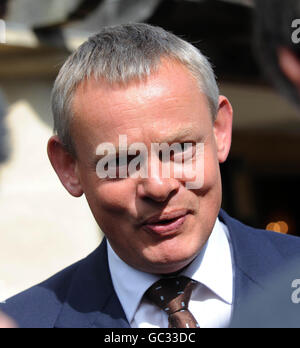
39,306
287,245
260,253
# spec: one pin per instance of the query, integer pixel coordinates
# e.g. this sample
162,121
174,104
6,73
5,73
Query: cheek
203,172
211,169
112,197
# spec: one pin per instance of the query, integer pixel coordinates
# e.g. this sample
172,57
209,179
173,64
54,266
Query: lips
166,223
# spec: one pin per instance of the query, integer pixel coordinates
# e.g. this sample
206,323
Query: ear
290,65
223,128
65,166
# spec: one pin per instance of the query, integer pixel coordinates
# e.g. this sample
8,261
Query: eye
123,161
184,153
122,164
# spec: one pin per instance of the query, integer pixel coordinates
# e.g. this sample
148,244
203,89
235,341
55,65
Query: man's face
154,224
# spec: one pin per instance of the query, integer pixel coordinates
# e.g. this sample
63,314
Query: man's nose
157,188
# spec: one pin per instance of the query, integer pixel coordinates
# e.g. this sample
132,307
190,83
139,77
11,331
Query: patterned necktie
172,295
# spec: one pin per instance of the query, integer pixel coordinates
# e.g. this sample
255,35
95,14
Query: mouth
166,223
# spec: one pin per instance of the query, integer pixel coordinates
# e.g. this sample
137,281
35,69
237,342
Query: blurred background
42,228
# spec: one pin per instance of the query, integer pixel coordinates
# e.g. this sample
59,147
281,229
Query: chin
170,263
172,267
172,254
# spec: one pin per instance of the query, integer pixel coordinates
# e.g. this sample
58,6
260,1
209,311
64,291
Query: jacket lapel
92,301
254,257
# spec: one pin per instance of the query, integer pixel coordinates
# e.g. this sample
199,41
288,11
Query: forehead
167,101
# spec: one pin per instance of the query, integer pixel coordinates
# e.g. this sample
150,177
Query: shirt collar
212,268
129,283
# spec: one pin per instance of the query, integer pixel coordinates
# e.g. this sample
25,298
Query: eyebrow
178,136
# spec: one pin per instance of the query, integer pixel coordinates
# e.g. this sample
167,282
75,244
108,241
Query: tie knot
171,294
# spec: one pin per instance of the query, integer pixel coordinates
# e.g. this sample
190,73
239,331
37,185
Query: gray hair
120,54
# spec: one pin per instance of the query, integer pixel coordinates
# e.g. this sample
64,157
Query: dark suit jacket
82,295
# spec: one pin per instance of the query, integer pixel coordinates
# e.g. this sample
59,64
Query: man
144,85
277,44
277,40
